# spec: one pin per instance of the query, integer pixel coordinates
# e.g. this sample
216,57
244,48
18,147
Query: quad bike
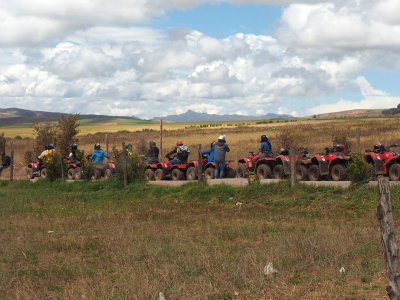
331,164
104,170
282,164
35,171
263,167
74,171
150,170
209,169
192,171
175,172
385,159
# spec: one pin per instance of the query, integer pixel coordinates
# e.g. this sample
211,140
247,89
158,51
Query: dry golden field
242,137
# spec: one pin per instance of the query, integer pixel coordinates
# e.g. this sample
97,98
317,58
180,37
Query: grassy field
97,240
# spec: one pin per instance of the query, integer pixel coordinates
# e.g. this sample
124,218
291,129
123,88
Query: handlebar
394,145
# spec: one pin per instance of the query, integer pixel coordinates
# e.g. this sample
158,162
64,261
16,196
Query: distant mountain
11,116
192,116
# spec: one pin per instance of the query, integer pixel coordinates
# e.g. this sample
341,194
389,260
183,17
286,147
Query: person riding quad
338,149
182,153
265,149
98,154
5,161
151,156
72,155
378,148
220,150
210,153
48,151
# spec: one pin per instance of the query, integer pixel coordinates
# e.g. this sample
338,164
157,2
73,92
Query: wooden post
292,167
161,136
106,143
124,164
62,168
385,217
12,166
358,135
200,165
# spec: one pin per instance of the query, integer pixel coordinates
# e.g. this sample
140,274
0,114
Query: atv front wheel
149,174
209,172
264,171
29,173
191,173
302,173
43,173
279,172
177,174
78,174
108,173
394,172
241,171
338,172
159,174
71,174
314,174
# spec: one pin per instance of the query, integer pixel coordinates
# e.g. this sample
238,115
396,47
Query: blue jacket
210,153
98,155
265,147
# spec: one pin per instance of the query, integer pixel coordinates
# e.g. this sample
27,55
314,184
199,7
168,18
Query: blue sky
153,57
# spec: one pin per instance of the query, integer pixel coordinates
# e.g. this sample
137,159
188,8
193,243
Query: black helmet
284,151
264,138
152,143
50,147
97,146
74,146
46,147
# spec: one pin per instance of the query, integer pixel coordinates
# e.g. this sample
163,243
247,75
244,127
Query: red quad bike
331,164
282,164
192,171
165,170
74,171
263,166
33,171
387,159
150,170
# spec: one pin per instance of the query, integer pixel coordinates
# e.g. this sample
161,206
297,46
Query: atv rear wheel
97,173
108,173
338,172
314,174
302,173
71,174
209,172
241,171
229,172
177,174
264,171
159,174
279,172
78,174
149,174
29,173
43,173
191,173
394,172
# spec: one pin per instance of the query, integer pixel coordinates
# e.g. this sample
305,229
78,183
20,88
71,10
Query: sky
150,58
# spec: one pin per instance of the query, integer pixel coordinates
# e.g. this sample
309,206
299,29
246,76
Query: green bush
135,166
358,170
86,165
53,166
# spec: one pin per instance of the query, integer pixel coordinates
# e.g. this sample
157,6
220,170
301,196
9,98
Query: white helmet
221,137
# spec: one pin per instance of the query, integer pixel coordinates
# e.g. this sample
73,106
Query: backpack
183,151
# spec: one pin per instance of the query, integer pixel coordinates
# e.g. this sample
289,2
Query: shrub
29,157
53,166
358,170
44,134
86,165
341,137
135,166
67,127
2,143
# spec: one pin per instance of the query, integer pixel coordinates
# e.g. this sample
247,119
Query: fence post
200,165
124,164
161,136
12,166
358,136
292,167
385,217
62,168
106,143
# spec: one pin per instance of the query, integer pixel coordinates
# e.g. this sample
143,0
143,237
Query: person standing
220,150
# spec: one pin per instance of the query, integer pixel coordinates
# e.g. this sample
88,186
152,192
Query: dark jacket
182,153
6,161
220,150
153,152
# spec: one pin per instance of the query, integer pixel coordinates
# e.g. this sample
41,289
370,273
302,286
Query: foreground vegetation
99,240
